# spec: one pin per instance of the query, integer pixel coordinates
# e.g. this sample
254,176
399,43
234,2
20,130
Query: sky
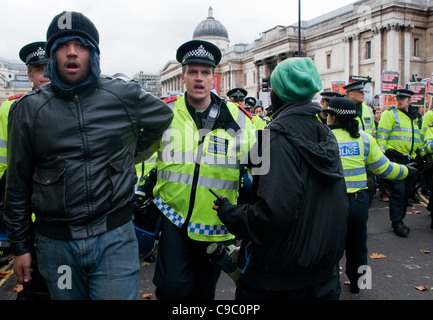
144,35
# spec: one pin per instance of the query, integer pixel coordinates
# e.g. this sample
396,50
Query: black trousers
183,270
399,193
356,238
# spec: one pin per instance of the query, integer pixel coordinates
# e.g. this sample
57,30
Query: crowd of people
72,149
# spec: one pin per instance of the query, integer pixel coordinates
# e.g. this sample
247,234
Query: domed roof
210,28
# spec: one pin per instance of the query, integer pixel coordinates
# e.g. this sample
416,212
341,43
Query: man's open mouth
72,66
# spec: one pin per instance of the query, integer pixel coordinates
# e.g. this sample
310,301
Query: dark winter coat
71,158
295,233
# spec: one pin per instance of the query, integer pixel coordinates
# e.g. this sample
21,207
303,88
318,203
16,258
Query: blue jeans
103,267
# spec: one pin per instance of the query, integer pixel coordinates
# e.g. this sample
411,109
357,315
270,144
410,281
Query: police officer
237,95
250,104
35,58
399,137
355,91
324,101
426,155
358,150
202,149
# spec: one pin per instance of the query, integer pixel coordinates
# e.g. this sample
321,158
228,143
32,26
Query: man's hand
22,268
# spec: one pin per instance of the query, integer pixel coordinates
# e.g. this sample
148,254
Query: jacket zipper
86,153
413,138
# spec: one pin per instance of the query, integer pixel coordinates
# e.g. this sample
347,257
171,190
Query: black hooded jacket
294,235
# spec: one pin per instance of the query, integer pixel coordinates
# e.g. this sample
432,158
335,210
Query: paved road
393,277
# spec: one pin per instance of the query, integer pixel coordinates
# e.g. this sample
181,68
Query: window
368,50
416,47
328,61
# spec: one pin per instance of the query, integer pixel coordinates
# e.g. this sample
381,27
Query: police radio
218,198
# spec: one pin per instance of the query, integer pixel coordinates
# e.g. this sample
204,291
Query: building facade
360,39
13,79
149,82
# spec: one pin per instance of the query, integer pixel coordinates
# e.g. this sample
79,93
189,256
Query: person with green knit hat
296,79
293,240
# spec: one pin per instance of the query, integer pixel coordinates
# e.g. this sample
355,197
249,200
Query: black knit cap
71,23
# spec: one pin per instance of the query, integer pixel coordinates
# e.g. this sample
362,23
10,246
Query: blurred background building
358,40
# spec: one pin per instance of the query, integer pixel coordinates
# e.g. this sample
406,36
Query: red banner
216,83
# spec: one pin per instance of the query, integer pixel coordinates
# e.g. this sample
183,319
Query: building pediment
169,66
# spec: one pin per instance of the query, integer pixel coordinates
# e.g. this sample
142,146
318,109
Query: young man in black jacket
293,236
71,151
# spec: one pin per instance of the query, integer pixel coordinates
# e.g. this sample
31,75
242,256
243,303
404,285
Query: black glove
224,207
392,153
427,159
413,171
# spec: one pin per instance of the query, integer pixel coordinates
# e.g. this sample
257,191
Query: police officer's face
403,104
73,62
324,104
198,80
36,75
240,102
357,96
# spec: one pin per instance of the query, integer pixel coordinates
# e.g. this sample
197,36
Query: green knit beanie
296,79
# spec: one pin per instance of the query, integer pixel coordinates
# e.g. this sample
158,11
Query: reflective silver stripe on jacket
202,181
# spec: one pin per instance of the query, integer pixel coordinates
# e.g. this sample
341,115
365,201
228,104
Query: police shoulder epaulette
16,96
170,99
249,115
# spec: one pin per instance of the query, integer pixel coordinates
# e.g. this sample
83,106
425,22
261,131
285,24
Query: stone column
346,41
355,62
377,54
258,84
392,45
405,77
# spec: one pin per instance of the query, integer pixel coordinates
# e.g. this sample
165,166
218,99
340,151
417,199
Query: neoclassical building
360,39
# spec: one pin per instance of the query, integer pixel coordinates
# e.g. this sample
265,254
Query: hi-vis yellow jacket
187,169
366,122
397,131
4,114
144,167
358,154
427,133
